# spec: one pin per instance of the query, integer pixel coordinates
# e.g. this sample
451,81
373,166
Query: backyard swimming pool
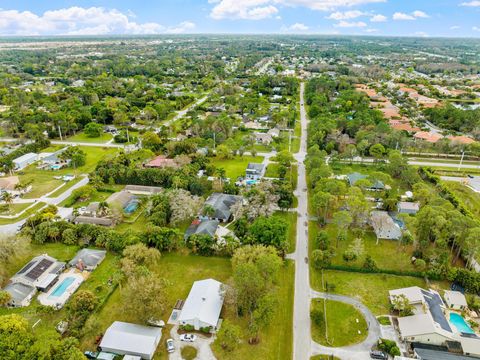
460,324
131,206
62,287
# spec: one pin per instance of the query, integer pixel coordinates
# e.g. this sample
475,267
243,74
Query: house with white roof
123,338
23,161
203,305
455,300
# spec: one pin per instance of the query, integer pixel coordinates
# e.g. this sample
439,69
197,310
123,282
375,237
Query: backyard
236,166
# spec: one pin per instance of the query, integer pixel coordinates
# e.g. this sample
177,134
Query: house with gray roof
221,205
255,171
20,294
123,338
407,207
87,259
376,185
384,226
199,227
54,159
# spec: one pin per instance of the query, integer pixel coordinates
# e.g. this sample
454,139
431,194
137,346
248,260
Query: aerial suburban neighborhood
273,197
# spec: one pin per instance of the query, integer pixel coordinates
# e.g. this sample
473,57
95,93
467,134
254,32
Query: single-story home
143,190
123,338
384,226
88,259
161,161
407,207
23,161
221,204
54,161
353,178
255,171
120,198
203,305
21,294
199,227
263,138
92,220
455,300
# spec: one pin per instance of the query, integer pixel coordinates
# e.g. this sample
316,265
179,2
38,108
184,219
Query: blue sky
451,18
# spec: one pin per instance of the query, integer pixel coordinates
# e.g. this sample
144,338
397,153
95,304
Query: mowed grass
371,289
81,137
43,181
345,324
276,340
292,173
324,357
236,166
14,209
24,215
388,254
470,198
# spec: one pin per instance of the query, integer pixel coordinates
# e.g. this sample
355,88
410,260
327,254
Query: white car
188,337
170,346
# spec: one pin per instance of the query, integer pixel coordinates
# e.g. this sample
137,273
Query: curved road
303,345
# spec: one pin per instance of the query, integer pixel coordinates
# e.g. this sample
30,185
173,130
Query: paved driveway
202,344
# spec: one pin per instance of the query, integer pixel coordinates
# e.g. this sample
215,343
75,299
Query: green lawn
236,166
65,187
324,357
345,324
381,252
43,181
81,137
15,208
371,289
26,214
470,198
292,174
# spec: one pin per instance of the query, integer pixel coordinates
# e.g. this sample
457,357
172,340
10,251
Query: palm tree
7,198
103,209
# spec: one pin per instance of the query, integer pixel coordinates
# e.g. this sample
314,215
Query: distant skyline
436,18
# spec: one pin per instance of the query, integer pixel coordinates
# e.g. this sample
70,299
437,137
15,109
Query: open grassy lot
371,289
236,166
324,357
15,208
470,198
81,137
65,187
292,174
26,214
345,324
276,340
388,254
43,181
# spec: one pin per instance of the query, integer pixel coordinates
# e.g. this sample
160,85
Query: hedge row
419,274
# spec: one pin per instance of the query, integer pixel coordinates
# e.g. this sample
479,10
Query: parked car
91,354
188,337
170,346
376,354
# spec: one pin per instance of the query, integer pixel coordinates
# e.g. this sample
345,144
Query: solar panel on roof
26,267
39,269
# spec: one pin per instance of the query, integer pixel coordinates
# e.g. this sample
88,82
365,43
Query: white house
203,305
23,161
407,207
123,338
455,300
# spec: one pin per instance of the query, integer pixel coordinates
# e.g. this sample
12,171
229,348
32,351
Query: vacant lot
470,198
345,324
236,166
81,137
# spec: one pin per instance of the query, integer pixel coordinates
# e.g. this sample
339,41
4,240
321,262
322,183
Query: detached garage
123,338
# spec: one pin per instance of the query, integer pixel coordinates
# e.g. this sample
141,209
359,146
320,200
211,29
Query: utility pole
461,160
60,132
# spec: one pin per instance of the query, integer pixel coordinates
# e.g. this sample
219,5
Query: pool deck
59,301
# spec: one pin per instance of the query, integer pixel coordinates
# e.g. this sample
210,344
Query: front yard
236,166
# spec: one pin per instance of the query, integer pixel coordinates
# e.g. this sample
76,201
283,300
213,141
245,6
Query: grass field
292,174
65,187
14,209
81,137
371,289
324,357
236,166
470,198
43,181
345,324
26,214
291,218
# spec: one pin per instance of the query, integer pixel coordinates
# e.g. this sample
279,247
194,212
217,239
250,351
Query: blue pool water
131,207
460,323
60,289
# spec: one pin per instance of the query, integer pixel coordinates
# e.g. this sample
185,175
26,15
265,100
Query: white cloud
261,9
413,16
402,16
476,28
346,15
454,27
378,18
371,30
347,24
420,14
421,34
183,27
475,3
298,27
77,20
